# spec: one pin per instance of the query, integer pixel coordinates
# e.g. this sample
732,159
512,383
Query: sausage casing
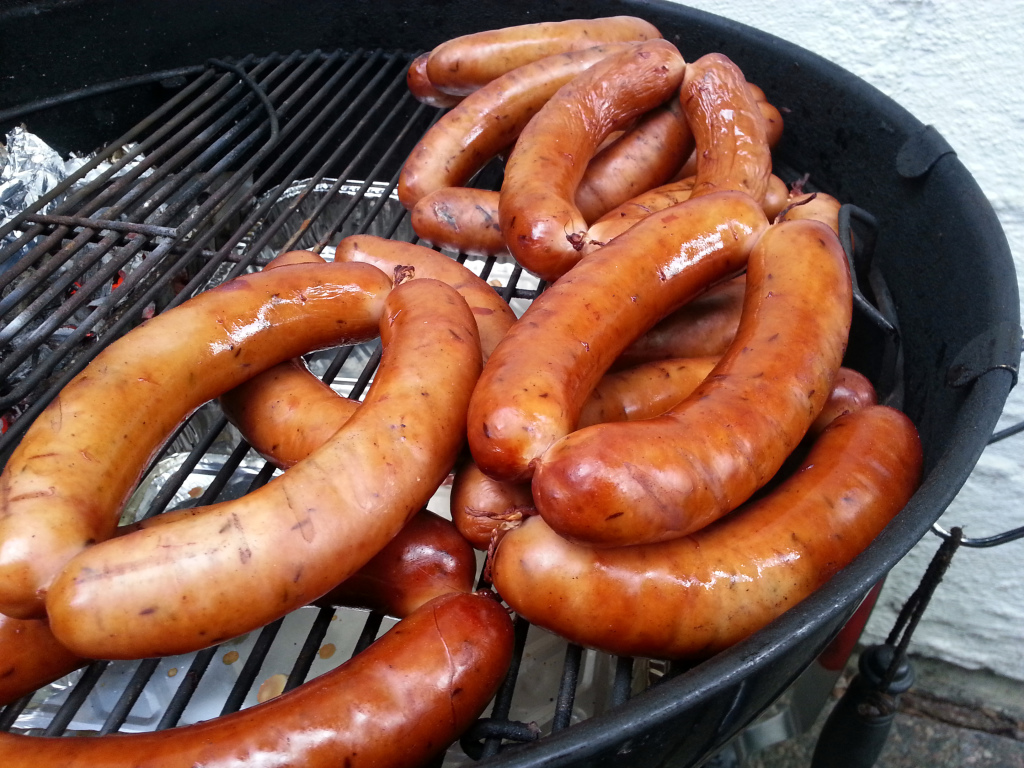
64,485
397,704
641,482
31,657
466,63
703,592
543,228
536,381
240,564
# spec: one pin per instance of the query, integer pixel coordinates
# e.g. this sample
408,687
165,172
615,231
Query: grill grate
246,160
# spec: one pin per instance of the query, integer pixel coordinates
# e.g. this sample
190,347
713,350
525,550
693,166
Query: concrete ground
950,717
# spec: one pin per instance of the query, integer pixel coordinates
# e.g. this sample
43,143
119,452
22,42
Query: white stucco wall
958,66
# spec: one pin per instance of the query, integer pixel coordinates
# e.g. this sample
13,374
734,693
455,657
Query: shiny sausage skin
543,228
460,219
489,121
704,327
285,412
64,486
421,87
428,558
493,314
467,63
644,391
31,657
704,592
240,564
536,381
851,391
730,132
397,704
646,156
619,219
649,481
481,505
816,206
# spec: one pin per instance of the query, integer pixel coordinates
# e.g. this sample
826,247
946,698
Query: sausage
467,63
816,206
64,485
493,314
644,391
642,482
460,219
398,704
240,564
704,327
543,228
489,121
728,128
286,410
704,592
421,87
851,391
619,219
645,157
537,379
481,505
31,657
427,558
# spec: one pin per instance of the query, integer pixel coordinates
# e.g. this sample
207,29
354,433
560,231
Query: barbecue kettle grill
938,330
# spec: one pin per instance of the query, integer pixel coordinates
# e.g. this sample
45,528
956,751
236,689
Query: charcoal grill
228,121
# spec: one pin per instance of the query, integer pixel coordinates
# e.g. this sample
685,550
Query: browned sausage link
493,315
464,64
460,219
704,327
732,144
480,505
420,686
654,480
773,123
644,391
424,90
31,657
240,564
704,592
428,558
64,486
536,381
645,157
618,220
286,412
851,391
816,206
542,226
487,122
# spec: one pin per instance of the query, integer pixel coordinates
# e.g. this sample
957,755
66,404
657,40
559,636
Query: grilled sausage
241,564
646,156
480,505
64,486
428,558
642,482
704,327
493,315
536,381
543,228
398,704
421,87
706,591
816,206
460,219
489,121
851,391
728,128
465,64
31,657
